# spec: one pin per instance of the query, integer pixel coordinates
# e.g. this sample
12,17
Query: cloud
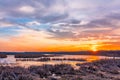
116,32
57,34
33,23
61,19
27,9
55,11
95,28
9,31
5,24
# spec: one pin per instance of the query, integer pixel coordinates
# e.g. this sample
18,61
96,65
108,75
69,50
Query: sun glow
94,48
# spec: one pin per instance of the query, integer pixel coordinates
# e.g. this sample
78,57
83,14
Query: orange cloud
31,40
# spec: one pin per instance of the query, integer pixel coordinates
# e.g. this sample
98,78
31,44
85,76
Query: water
88,58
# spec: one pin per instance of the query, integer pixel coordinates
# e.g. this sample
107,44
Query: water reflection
88,58
92,58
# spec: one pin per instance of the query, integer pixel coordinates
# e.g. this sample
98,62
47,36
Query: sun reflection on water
92,58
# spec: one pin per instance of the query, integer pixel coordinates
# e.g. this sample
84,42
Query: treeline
25,55
32,59
52,54
49,59
3,56
109,53
67,59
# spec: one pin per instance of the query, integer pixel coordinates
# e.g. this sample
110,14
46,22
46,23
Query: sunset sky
59,25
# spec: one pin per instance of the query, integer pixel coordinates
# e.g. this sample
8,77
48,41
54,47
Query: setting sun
94,48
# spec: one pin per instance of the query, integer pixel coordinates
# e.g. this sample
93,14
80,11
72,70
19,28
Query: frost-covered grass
97,70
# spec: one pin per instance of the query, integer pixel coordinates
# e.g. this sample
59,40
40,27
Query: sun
94,48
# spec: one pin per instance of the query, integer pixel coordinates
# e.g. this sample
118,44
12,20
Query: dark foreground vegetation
98,70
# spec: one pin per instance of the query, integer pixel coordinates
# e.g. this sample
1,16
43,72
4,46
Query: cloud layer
87,22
